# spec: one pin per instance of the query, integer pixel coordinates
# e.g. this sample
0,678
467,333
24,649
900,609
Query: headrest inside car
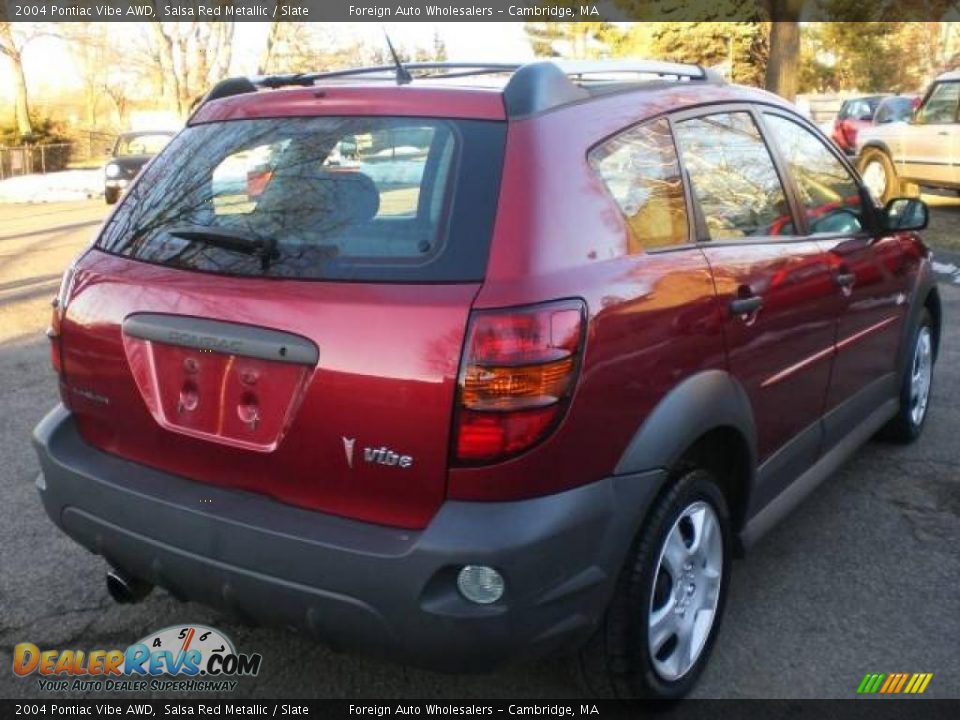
327,199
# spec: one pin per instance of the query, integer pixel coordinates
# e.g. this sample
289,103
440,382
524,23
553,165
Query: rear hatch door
279,306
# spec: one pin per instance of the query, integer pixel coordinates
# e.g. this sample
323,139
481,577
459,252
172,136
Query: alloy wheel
686,591
921,373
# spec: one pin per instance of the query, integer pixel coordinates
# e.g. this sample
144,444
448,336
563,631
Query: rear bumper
383,591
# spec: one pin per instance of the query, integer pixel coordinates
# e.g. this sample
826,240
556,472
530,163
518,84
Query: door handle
845,279
746,305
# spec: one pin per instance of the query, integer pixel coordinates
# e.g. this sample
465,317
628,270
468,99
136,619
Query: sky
49,68
480,41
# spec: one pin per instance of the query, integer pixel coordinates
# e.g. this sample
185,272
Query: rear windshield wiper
263,248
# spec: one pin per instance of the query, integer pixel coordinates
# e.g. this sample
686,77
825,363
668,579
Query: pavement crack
59,614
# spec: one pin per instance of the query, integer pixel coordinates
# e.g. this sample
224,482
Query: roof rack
533,87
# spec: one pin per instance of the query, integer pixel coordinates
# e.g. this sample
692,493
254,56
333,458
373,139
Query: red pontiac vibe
500,362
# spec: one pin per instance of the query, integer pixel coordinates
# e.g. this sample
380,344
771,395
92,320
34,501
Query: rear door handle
845,279
745,306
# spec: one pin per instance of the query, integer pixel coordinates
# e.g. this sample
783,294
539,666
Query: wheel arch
707,420
924,296
874,145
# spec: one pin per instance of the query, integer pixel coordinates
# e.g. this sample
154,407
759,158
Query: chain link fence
88,148
28,159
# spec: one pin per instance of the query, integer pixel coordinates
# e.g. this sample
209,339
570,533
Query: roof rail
584,69
453,69
533,87
542,85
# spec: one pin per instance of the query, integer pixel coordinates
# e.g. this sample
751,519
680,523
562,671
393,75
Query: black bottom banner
862,709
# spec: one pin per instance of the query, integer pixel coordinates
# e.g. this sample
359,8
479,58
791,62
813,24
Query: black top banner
473,10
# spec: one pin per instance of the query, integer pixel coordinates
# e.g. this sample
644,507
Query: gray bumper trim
383,591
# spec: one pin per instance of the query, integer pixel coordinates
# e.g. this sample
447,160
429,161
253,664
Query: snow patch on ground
53,187
947,271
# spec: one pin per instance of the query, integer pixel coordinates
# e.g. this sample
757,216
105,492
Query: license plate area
228,383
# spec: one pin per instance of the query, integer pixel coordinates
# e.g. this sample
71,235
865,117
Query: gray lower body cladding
383,591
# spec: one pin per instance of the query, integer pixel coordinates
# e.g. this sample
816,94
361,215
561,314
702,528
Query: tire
880,176
915,386
618,660
111,195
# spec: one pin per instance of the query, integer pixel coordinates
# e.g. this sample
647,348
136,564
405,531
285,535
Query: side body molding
703,402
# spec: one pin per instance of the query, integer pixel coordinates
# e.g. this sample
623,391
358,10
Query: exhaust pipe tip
126,589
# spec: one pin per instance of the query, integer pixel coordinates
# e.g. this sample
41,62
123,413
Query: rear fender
706,401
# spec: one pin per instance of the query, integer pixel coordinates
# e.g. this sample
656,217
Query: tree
435,52
439,48
91,49
578,40
872,56
738,47
771,55
782,75
11,46
189,58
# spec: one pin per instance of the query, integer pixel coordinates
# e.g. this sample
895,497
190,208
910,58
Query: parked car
855,114
129,154
524,390
898,158
896,108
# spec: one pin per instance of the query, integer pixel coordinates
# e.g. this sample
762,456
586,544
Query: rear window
341,198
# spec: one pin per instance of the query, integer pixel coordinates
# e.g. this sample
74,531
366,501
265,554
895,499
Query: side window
941,106
641,171
830,195
858,110
733,177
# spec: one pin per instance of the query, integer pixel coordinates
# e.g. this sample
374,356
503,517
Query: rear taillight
518,372
56,318
53,333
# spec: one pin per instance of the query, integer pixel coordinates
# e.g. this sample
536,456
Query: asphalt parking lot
862,578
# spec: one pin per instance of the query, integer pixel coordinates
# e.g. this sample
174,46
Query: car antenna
403,75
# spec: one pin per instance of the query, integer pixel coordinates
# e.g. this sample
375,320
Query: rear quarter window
348,198
641,171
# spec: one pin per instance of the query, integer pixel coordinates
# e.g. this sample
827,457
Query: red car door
870,301
777,286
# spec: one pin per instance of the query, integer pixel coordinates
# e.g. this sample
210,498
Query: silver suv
897,158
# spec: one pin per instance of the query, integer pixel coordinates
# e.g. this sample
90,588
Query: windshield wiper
263,248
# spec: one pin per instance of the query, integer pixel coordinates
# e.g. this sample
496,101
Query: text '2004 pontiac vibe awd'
459,365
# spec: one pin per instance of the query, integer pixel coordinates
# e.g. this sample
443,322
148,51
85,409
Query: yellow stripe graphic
926,681
913,681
